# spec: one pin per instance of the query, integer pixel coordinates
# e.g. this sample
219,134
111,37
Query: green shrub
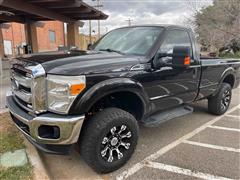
229,55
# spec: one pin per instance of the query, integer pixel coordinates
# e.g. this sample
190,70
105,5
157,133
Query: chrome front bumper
69,126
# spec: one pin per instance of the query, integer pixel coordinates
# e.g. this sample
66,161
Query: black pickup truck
96,99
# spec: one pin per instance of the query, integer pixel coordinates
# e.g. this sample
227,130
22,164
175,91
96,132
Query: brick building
49,37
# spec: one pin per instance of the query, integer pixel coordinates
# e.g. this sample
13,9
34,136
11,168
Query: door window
172,39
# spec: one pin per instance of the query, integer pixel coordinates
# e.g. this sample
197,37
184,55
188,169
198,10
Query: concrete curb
39,170
3,110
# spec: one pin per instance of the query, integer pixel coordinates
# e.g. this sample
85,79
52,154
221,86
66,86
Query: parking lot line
188,172
212,146
130,171
224,128
233,116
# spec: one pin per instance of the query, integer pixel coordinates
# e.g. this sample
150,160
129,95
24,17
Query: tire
99,134
219,103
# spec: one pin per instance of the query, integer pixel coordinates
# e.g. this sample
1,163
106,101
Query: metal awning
23,11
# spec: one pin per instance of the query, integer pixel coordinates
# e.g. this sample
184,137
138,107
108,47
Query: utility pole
99,5
90,32
99,33
129,21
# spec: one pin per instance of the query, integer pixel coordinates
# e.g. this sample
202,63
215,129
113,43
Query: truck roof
158,25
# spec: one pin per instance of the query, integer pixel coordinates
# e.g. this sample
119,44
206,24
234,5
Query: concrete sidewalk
4,82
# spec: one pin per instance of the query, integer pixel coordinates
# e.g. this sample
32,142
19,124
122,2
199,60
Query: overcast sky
143,12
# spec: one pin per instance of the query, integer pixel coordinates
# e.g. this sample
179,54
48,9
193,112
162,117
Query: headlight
62,90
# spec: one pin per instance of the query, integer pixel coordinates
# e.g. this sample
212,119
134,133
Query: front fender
91,96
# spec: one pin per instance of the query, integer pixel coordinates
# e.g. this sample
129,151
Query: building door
7,47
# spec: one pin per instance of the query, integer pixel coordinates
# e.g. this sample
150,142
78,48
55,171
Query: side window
172,39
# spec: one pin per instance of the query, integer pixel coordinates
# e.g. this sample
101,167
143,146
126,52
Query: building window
52,36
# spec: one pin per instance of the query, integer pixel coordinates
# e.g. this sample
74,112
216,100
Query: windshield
134,40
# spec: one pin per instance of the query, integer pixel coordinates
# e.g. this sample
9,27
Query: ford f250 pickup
96,99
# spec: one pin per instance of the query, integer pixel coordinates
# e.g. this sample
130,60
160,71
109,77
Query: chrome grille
29,88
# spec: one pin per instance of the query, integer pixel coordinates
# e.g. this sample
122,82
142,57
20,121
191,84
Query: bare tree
217,25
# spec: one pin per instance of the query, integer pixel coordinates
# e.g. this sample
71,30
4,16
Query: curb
3,110
39,170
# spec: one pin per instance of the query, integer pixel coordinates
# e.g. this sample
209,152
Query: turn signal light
187,60
77,88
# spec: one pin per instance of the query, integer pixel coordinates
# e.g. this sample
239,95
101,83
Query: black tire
219,103
96,132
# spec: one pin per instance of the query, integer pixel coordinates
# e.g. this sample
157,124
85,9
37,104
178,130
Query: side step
158,118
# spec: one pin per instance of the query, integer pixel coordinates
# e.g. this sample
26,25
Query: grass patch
10,142
16,173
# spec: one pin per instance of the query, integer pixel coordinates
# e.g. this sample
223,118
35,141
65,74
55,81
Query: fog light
49,132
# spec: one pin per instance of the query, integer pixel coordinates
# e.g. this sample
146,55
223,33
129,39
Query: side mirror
157,62
181,56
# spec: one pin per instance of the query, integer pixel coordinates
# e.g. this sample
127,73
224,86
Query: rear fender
228,71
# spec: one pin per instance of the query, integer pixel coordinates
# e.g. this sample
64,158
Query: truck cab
96,99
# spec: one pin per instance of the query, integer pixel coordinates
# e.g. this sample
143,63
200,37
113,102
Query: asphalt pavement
196,146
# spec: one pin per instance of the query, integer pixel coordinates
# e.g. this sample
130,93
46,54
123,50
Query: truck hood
85,62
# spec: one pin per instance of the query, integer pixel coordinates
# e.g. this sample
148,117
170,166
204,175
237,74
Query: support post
31,36
1,45
1,55
73,37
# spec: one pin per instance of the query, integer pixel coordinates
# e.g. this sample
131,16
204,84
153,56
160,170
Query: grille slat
23,95
23,105
28,86
21,87
24,81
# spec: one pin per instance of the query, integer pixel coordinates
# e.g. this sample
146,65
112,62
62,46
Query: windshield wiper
112,50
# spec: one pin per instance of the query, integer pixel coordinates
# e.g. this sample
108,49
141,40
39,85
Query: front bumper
69,127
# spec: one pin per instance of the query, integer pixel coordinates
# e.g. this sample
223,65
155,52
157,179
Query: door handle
195,72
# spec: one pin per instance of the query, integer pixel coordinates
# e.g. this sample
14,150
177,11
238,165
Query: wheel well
229,79
126,101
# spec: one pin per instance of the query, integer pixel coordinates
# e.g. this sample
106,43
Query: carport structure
29,12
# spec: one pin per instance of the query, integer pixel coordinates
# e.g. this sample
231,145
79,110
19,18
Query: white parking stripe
224,128
223,148
183,171
233,116
165,149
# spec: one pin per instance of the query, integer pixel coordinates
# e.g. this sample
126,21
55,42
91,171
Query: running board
158,118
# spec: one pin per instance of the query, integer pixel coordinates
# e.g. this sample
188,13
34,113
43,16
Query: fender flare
91,96
226,72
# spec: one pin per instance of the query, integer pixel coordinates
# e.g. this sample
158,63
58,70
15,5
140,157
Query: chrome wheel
115,144
225,99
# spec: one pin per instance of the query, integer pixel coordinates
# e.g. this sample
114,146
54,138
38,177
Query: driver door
172,86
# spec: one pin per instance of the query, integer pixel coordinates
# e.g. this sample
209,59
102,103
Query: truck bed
213,69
